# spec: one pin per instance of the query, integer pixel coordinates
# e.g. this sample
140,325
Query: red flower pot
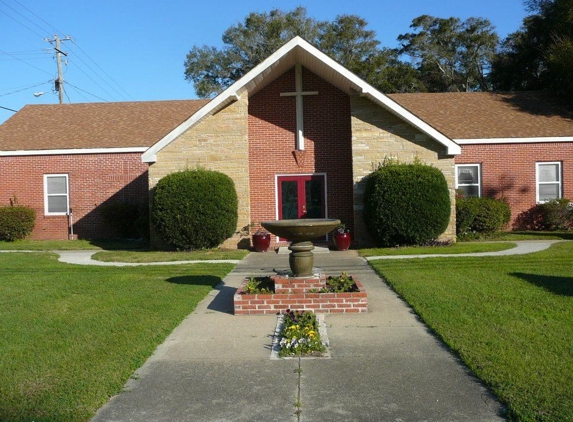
342,241
261,242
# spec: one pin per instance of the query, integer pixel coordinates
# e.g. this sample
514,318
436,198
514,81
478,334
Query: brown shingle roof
94,125
480,115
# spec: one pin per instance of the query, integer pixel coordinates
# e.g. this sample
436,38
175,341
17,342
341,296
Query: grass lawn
449,249
70,245
530,235
72,335
158,256
509,318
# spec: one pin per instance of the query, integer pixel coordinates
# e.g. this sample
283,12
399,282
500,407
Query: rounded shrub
556,214
492,215
195,209
16,222
466,211
406,204
481,215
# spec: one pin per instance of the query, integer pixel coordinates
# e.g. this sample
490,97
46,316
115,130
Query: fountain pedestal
301,258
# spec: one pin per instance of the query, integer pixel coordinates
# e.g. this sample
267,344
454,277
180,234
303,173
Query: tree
451,55
540,54
345,39
246,45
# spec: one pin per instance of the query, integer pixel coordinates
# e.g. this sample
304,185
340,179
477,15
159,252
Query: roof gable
296,51
93,125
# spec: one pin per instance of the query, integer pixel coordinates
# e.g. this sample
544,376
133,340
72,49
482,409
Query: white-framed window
468,179
56,194
548,181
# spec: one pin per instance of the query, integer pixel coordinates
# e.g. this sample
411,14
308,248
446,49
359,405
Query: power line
47,23
31,65
9,109
25,88
29,20
89,93
95,73
59,86
104,72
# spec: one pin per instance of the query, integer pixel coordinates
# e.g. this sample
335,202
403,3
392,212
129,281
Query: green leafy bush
406,204
121,217
195,209
466,212
16,222
481,215
556,214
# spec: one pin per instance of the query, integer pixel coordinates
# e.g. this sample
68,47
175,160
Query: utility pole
59,83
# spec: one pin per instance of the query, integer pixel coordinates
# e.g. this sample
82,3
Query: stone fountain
300,233
301,290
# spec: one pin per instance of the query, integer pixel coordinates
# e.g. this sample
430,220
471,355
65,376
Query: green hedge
16,222
195,209
406,204
481,215
556,214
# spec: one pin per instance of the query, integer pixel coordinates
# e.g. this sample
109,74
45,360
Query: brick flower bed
294,293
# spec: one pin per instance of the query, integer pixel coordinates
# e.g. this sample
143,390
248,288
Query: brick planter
293,293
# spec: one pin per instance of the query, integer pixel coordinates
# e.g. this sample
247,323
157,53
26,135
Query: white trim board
514,140
74,151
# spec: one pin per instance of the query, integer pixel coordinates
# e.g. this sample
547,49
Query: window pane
289,200
57,185
548,172
467,175
57,204
313,191
470,190
548,192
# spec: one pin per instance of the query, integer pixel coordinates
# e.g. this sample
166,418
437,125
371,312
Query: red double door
301,196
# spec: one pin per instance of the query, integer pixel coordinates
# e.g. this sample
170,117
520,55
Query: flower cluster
300,334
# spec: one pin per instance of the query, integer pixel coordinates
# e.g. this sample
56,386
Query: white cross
298,94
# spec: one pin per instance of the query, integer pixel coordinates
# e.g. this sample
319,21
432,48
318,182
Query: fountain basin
301,230
300,233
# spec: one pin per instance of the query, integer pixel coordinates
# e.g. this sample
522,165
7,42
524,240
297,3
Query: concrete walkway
523,247
385,365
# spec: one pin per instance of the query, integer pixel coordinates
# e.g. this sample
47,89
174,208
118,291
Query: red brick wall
272,140
93,180
508,170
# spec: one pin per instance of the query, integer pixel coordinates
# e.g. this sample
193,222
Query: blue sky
133,50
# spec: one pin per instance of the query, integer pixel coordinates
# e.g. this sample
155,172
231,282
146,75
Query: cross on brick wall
299,93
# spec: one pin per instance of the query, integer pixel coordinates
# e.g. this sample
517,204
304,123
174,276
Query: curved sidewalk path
523,247
85,257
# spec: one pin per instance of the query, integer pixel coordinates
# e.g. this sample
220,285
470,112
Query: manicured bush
121,217
481,215
556,214
466,212
493,215
195,209
16,222
406,204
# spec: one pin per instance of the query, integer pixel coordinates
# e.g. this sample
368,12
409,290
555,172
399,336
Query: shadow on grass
195,280
558,285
